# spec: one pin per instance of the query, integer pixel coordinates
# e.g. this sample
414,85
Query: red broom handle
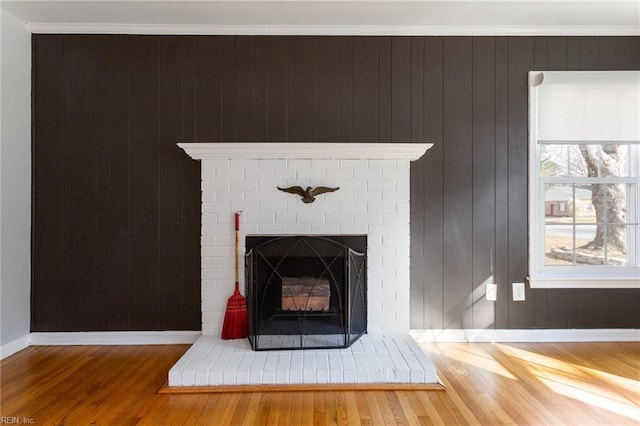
237,251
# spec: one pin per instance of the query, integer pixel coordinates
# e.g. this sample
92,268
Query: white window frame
591,276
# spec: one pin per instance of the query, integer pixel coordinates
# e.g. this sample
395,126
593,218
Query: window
584,179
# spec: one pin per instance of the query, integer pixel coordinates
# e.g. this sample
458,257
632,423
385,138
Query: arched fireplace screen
306,292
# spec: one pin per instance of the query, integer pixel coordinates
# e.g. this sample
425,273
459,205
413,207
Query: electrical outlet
492,292
518,292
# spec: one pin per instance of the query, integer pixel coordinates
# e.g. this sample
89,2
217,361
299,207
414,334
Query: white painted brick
398,174
218,274
272,164
402,229
217,251
244,163
367,196
335,373
286,218
368,174
230,196
353,207
374,241
310,175
244,207
395,218
403,251
298,164
402,184
230,174
340,174
382,207
258,196
249,228
284,174
339,218
311,217
209,196
215,207
215,164
209,218
354,185
356,229
325,228
382,164
354,164
395,196
259,174
381,185
272,185
368,218
298,229
396,240
322,368
243,185
272,207
215,185
271,228
325,164
260,218
295,368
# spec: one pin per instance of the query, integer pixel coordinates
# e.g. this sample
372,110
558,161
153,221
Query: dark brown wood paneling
169,181
119,191
365,89
328,93
483,166
458,182
144,206
261,89
228,89
208,81
384,89
277,89
540,62
116,206
49,300
346,89
301,89
432,192
245,113
501,174
400,89
520,63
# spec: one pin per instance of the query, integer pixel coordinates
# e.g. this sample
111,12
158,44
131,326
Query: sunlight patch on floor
465,354
580,383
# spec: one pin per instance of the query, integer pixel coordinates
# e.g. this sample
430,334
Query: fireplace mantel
294,150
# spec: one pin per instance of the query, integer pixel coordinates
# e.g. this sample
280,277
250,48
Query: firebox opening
306,292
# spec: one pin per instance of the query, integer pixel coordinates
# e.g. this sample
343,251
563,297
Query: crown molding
293,150
329,30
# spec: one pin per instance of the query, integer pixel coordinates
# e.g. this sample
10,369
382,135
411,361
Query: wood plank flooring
487,384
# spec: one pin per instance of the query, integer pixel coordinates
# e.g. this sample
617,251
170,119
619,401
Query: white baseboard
539,335
14,346
115,338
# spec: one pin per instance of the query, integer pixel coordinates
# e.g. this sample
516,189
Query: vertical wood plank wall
116,205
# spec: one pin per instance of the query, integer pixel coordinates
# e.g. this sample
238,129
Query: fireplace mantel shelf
293,150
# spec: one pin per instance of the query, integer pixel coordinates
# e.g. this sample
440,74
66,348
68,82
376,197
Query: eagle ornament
308,195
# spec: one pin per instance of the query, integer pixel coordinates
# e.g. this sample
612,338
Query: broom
236,323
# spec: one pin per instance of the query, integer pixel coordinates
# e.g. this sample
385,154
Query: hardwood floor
487,384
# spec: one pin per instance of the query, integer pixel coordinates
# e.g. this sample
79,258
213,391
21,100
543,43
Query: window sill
561,282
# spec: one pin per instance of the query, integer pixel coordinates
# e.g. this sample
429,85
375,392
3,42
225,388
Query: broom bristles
236,323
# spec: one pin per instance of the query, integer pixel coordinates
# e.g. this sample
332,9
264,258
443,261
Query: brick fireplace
373,200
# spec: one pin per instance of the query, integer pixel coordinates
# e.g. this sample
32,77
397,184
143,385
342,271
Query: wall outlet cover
518,292
492,292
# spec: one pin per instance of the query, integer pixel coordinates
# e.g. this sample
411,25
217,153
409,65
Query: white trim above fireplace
296,150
